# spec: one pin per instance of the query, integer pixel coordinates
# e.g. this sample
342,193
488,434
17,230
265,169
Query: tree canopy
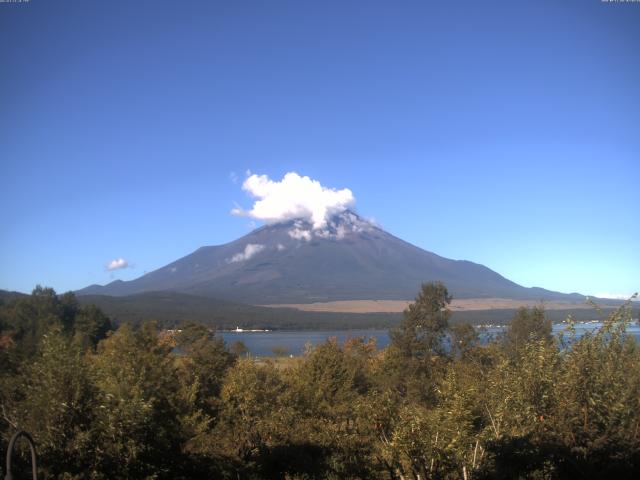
436,404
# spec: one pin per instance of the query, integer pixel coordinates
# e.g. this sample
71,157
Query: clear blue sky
506,133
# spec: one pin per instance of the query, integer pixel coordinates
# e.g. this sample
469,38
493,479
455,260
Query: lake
261,344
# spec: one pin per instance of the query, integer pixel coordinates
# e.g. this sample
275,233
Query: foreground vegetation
104,403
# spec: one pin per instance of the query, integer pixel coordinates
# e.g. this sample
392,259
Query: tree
251,411
415,358
54,399
464,339
28,319
597,417
527,325
239,349
68,310
31,317
206,359
328,381
90,326
425,322
137,417
326,387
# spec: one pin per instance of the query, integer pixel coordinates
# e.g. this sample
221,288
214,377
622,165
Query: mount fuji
347,258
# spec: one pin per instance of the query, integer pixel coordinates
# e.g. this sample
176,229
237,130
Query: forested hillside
115,404
171,308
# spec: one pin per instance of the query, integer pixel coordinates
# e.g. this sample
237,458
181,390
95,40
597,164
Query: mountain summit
347,258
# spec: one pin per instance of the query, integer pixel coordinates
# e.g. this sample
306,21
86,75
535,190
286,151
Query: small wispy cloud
293,197
117,264
249,251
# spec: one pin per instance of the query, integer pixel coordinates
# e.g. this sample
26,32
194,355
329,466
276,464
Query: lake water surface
261,344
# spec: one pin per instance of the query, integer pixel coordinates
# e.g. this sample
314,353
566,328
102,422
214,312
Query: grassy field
397,306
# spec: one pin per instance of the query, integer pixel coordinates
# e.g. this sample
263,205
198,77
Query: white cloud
117,264
338,233
337,228
293,197
280,247
249,251
298,232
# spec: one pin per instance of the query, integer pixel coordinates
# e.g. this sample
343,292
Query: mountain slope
292,263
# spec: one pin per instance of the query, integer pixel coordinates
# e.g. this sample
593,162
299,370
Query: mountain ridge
348,258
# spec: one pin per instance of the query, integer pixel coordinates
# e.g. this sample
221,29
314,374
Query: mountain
292,262
7,296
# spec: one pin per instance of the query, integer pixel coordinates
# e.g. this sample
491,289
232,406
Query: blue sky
506,133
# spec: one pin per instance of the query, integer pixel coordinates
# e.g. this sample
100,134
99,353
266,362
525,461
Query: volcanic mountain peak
336,227
296,261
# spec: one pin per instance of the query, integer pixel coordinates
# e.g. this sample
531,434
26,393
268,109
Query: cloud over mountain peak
294,197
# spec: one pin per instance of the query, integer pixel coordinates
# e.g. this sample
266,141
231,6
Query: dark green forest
112,403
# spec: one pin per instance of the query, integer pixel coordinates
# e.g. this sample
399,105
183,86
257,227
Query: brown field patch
395,306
